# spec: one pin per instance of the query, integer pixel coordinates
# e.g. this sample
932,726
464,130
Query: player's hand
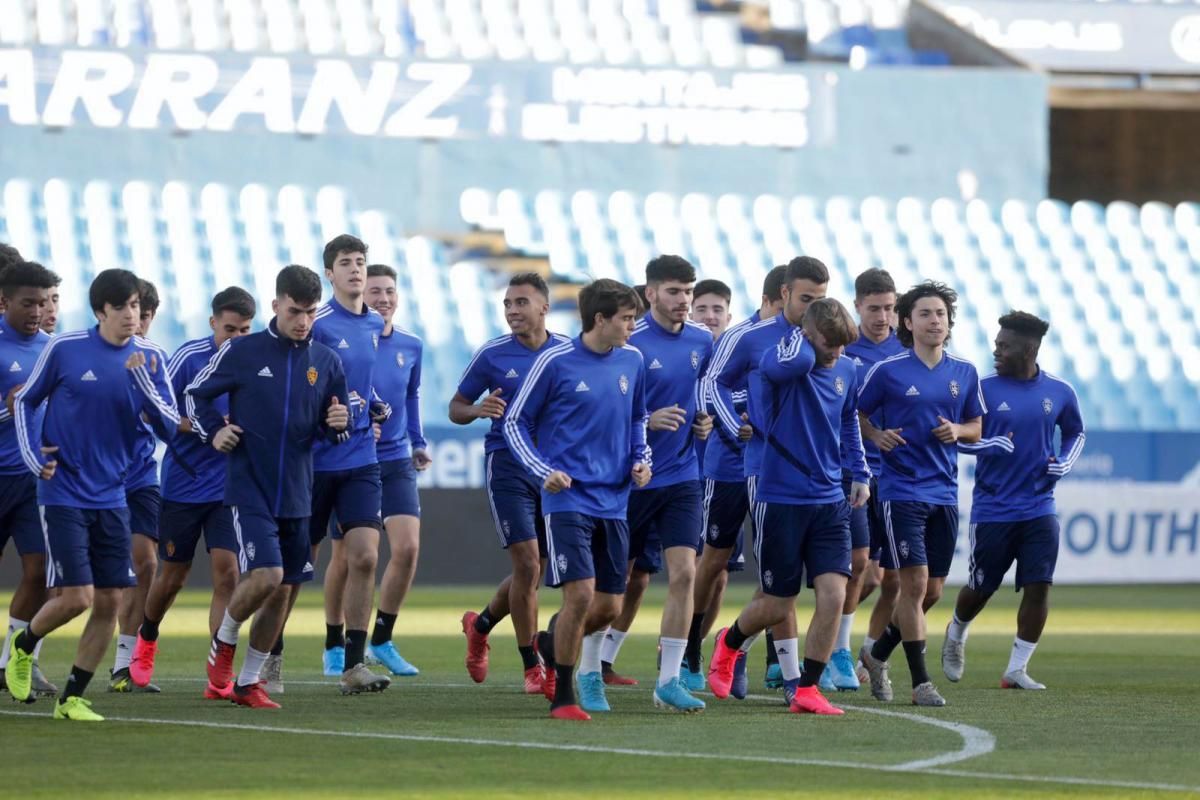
946,432
746,432
48,468
557,481
376,430
135,360
227,438
860,493
10,400
491,407
379,412
671,418
702,425
888,440
338,416
421,460
641,474
185,425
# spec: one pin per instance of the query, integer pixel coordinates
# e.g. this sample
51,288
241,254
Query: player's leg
324,495
840,674
637,583
93,642
401,511
1036,559
28,597
827,549
608,553
725,505
145,512
992,551
679,523
358,509
569,566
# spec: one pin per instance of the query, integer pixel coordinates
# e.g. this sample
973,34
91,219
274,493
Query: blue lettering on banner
1178,531
1085,532
1081,520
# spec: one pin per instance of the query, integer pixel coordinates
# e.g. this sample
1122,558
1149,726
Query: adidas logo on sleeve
1004,406
16,367
265,372
655,364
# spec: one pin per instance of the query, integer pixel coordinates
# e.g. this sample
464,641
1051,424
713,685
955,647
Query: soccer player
402,453
1012,514
812,437
26,288
926,401
495,374
144,499
875,302
347,476
96,385
50,316
578,424
285,391
193,489
735,367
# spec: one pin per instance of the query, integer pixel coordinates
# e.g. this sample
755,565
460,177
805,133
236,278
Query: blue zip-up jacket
279,393
1014,477
865,355
723,456
18,354
674,364
93,415
398,383
143,471
354,338
586,411
812,426
192,470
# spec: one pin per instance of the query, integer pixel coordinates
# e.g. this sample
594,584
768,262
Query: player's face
294,319
349,273
930,322
381,295
26,309
826,355
50,313
711,311
875,313
525,309
145,320
615,331
1011,352
229,325
671,300
121,322
798,296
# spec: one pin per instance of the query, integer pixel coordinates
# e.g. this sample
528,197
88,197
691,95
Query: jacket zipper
287,405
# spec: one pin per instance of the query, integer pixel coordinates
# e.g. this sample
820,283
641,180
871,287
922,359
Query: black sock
484,622
384,623
915,653
692,654
77,682
26,639
528,656
545,647
772,656
605,667
356,646
812,672
149,629
334,637
884,645
277,650
564,685
734,638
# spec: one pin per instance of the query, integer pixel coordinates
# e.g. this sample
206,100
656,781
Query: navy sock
356,648
149,629
334,636
77,683
384,624
883,647
564,686
812,672
528,656
772,656
484,622
277,650
734,638
915,653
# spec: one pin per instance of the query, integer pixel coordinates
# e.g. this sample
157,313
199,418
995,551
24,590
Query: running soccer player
347,476
50,316
144,500
812,437
927,401
25,288
1012,513
96,385
496,373
578,424
402,453
193,489
285,391
735,367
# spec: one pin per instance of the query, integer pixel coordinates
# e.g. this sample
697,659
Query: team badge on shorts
399,359
170,548
903,547
695,360
839,385
623,382
714,531
979,575
250,550
954,388
562,562
312,376
1047,405
768,579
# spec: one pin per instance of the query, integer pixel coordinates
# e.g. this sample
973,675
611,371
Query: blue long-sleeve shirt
18,354
279,392
192,470
502,363
723,455
674,364
93,416
812,434
398,382
354,338
143,471
583,413
1014,477
907,394
866,354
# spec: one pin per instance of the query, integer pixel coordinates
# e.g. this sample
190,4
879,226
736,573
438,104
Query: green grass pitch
1121,719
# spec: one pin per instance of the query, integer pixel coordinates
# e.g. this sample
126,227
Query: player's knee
362,560
858,564
77,599
933,593
33,571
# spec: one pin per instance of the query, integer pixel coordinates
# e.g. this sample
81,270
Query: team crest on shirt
839,385
623,382
695,360
375,340
1047,405
312,376
954,388
399,359
903,548
562,562
768,579
250,550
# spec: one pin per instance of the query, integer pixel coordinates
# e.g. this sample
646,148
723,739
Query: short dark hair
344,243
873,281
147,296
908,300
299,283
1024,324
831,319
773,283
26,273
643,301
381,271
604,297
713,286
235,299
670,268
113,287
9,255
807,268
531,279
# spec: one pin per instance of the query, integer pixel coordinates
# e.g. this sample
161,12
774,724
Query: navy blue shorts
145,508
737,558
87,547
515,499
876,523
865,522
800,541
757,510
919,534
182,524
581,546
19,519
355,495
1032,543
399,480
725,506
669,516
267,541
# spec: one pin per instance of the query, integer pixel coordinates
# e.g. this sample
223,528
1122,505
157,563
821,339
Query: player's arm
702,423
1070,423
381,410
854,457
412,403
521,421
790,360
28,425
639,449
179,376
474,382
149,374
218,377
989,447
870,398
334,415
729,367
